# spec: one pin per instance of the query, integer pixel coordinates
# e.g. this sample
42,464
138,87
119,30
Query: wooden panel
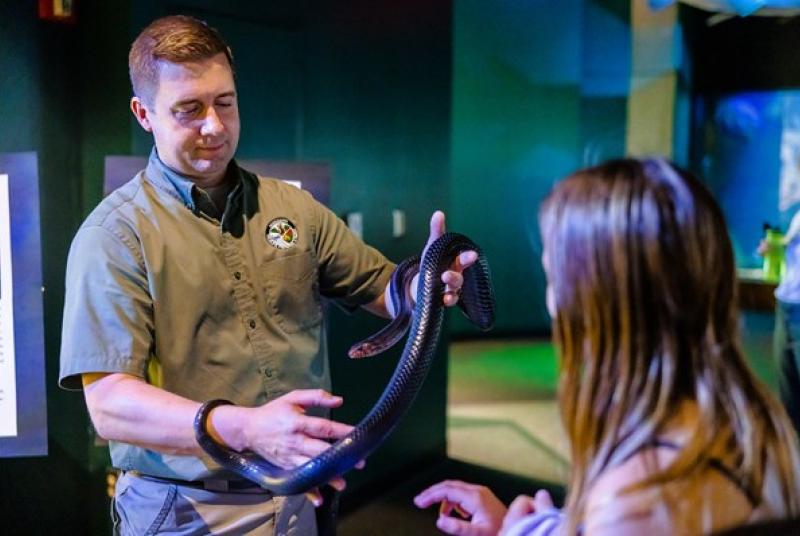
756,295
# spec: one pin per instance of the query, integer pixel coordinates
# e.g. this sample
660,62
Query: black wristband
201,419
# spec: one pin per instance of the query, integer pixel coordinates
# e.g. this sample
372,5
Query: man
198,280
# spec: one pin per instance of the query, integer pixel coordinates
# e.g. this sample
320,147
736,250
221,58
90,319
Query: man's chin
207,167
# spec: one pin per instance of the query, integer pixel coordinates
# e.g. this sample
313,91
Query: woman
670,432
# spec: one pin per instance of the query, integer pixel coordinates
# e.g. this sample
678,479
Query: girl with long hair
670,431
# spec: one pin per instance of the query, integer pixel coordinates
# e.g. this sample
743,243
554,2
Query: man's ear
140,112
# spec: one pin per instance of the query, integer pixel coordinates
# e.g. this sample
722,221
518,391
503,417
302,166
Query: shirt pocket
292,289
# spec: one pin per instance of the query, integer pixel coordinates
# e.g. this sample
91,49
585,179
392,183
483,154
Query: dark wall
378,108
742,53
42,110
363,87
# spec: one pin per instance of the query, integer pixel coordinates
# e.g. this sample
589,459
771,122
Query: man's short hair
176,39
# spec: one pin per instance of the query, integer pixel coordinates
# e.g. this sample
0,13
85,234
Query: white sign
8,384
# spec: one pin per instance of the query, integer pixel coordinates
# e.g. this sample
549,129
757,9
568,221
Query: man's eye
225,104
187,112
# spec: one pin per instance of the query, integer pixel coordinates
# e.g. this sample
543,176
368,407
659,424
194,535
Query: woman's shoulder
708,501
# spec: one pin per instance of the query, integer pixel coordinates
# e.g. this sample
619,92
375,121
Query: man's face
194,117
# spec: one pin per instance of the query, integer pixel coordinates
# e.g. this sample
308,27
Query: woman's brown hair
643,284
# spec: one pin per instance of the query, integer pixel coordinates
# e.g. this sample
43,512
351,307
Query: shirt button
237,275
252,324
268,372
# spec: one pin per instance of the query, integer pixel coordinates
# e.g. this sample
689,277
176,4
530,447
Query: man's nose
211,123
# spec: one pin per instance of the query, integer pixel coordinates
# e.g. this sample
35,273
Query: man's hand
452,278
281,432
478,511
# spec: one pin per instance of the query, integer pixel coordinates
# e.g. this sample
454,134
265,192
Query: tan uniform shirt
206,309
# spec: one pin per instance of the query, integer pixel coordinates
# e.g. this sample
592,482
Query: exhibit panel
23,409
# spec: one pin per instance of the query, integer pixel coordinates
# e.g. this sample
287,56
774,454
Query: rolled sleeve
350,271
108,312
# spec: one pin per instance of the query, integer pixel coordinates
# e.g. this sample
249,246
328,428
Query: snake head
364,349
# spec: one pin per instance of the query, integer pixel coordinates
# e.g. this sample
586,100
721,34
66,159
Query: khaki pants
144,506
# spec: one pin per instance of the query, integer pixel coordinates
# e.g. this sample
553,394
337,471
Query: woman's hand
524,506
478,512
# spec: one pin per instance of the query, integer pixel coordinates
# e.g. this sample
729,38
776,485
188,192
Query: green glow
529,370
510,370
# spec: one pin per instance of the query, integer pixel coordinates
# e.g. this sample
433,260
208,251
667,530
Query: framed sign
23,407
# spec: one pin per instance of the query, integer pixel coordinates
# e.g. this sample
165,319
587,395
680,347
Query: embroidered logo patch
281,233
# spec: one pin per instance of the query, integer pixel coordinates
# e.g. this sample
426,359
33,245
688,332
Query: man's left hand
452,278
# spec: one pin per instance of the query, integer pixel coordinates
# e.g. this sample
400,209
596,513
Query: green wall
539,89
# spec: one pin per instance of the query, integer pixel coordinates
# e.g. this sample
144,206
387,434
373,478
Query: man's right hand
125,408
280,431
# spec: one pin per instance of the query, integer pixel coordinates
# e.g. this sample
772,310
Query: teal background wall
539,89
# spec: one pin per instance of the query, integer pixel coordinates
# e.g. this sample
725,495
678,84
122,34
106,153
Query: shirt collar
242,199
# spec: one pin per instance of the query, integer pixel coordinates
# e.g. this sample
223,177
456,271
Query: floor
502,412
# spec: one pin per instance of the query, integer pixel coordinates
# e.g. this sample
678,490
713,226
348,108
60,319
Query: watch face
281,233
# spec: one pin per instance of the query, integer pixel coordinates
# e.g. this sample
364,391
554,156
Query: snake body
399,290
477,301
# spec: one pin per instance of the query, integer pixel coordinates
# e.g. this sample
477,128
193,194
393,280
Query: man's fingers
307,448
337,483
437,227
361,464
315,497
454,280
322,428
465,259
313,397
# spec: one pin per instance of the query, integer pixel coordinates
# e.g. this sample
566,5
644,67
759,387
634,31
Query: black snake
477,301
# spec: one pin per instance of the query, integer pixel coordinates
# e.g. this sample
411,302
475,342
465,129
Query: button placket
246,303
